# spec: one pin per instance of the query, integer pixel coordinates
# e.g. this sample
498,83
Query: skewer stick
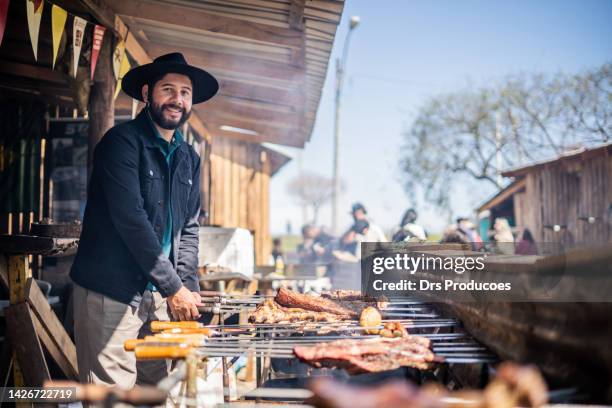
158,326
146,352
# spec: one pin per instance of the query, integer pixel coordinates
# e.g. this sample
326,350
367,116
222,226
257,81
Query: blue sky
406,50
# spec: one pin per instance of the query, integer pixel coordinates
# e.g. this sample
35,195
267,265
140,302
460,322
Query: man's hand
183,305
197,297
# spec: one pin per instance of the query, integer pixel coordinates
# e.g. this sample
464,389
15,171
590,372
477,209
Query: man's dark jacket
120,248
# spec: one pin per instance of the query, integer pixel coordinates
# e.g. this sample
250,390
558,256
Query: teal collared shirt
168,151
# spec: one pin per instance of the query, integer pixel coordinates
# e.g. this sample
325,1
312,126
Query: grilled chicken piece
370,317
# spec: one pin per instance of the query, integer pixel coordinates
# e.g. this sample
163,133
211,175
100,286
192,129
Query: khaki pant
101,326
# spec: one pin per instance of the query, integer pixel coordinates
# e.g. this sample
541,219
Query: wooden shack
566,200
270,57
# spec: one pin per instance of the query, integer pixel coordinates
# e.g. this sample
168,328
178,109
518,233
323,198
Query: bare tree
312,191
522,119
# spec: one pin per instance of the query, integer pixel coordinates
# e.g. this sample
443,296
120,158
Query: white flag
34,15
78,30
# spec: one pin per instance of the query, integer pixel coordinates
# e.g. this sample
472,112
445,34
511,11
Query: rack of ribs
350,295
271,312
289,298
370,355
290,306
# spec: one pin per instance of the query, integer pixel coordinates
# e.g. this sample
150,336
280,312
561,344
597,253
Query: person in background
375,233
467,228
350,244
409,229
526,245
277,250
453,235
502,235
316,245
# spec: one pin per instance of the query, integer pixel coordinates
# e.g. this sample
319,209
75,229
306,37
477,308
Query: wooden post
18,273
101,108
26,346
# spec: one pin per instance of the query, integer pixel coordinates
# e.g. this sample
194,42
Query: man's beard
157,113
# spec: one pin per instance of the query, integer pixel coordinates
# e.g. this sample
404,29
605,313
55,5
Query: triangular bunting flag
118,58
37,4
3,13
98,37
78,30
123,69
34,16
58,21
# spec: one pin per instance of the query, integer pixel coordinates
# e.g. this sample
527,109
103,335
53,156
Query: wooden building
269,56
567,200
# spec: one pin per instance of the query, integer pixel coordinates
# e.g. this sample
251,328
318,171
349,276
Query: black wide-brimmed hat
205,86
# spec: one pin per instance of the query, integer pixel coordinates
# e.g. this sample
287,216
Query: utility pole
340,67
301,178
498,155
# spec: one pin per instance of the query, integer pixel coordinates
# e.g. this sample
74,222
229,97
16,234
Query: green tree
521,119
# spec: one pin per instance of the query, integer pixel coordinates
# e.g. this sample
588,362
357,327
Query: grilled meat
516,385
342,296
271,312
289,298
349,295
290,306
513,386
329,393
393,329
370,355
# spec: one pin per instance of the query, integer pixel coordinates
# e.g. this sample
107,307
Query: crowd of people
501,239
320,246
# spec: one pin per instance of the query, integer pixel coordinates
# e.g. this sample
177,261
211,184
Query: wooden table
31,323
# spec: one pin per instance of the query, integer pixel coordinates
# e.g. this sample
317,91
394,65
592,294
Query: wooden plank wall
596,197
562,192
240,182
520,210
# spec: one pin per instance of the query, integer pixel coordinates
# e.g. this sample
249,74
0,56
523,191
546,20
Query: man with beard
137,257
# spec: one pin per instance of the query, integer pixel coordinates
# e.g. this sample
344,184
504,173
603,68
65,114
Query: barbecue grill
272,344
461,360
